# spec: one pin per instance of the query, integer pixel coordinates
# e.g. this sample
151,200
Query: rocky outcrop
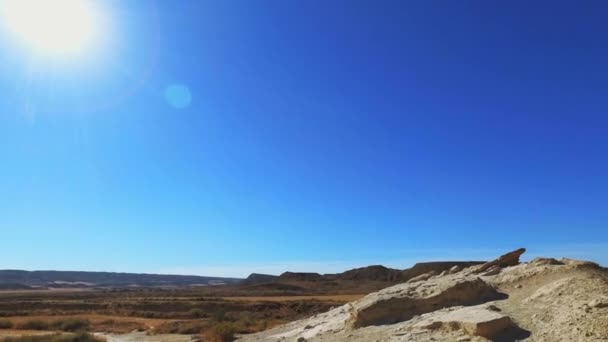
475,321
438,267
506,260
400,303
423,277
503,300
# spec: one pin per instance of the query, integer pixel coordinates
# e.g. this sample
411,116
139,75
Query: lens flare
178,96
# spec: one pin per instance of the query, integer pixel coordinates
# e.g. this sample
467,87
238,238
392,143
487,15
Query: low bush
33,324
71,325
6,324
219,315
196,313
81,337
66,325
223,332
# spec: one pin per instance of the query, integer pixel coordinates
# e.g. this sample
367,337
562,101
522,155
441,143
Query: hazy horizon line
591,252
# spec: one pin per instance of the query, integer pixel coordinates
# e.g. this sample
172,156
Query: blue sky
225,137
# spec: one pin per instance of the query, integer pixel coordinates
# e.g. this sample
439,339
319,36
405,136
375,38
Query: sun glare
52,27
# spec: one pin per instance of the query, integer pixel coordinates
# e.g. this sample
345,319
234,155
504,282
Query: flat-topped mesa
258,278
301,276
374,272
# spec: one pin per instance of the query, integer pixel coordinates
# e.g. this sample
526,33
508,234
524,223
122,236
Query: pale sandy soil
143,337
17,333
544,300
336,298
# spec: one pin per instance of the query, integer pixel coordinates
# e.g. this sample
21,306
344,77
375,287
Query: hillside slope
543,300
356,281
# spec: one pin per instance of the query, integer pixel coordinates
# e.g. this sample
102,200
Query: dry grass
80,337
221,332
97,323
332,298
6,324
180,311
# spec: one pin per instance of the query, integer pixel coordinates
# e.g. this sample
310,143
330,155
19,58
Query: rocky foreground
503,300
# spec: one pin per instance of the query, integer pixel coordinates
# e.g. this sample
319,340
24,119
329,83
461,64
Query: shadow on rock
513,334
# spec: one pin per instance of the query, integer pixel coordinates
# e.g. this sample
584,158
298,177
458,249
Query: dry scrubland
544,300
212,313
198,312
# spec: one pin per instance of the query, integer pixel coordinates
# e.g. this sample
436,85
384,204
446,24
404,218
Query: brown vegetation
215,312
5,324
185,311
80,337
66,325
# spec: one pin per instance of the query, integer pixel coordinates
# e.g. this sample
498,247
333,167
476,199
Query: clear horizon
577,252
226,136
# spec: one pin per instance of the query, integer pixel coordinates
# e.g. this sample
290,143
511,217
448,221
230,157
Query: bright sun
52,27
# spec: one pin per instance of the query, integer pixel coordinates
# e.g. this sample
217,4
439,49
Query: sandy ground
143,337
338,298
546,300
17,333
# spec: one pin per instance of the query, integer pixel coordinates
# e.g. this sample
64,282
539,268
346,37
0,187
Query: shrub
219,315
71,325
5,324
82,337
67,325
223,332
189,328
196,313
34,324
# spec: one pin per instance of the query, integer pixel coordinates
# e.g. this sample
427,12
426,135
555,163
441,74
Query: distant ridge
257,278
300,276
358,280
18,279
374,272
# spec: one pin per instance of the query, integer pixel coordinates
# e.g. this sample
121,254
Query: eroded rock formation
544,300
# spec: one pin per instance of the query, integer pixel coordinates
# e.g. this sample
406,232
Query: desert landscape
502,300
303,171
126,307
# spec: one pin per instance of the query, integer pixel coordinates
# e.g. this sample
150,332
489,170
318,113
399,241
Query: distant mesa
375,273
21,280
364,279
258,278
300,276
14,286
361,280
